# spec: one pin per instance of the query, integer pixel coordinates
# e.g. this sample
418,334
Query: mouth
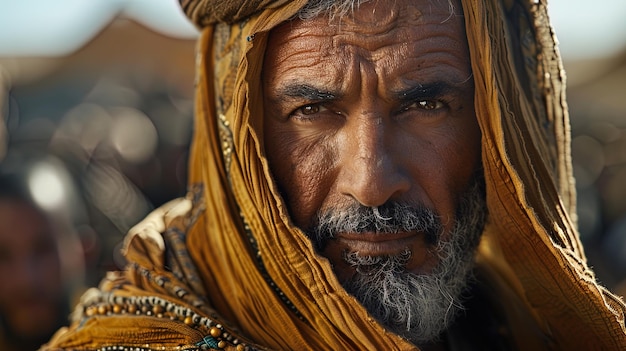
379,244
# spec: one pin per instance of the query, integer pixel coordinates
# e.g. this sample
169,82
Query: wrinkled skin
376,108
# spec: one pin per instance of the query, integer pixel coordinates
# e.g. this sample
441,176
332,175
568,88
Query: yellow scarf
225,268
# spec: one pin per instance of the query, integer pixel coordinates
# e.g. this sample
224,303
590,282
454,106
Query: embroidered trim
152,306
227,143
265,274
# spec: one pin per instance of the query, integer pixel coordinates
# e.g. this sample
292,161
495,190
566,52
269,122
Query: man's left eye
429,104
424,105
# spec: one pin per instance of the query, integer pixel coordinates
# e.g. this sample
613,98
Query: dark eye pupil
427,104
310,109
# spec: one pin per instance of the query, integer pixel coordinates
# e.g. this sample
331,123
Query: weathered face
30,288
373,110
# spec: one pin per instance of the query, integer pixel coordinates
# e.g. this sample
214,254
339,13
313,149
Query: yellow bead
188,320
102,309
221,344
132,308
215,332
156,309
91,311
117,308
240,347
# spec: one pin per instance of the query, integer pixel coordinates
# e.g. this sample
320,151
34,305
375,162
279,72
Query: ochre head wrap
225,267
209,12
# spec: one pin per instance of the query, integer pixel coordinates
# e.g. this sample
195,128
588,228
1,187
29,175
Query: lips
377,244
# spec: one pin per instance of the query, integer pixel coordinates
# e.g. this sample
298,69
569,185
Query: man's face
371,134
30,280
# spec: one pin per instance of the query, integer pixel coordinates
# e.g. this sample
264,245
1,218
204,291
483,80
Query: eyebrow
422,91
301,91
306,92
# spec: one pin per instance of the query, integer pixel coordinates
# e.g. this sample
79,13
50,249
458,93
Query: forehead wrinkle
297,50
306,49
367,18
326,78
443,37
319,66
294,58
442,54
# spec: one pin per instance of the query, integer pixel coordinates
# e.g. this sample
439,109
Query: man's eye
429,104
310,109
307,112
424,105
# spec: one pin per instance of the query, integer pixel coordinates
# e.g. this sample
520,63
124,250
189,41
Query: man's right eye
309,109
307,112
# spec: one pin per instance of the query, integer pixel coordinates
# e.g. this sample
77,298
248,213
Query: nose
371,172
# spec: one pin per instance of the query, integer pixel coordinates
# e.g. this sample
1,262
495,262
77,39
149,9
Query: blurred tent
59,28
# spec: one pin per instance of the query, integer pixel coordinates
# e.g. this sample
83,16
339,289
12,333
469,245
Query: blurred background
96,101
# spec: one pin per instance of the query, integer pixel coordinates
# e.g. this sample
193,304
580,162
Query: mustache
392,217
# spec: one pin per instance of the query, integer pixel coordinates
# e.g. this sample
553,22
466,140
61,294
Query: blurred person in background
35,289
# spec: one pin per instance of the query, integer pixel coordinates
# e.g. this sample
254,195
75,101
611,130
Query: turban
226,268
207,12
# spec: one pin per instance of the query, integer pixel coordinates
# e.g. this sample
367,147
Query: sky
59,27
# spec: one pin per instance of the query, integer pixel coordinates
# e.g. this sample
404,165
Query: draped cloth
225,267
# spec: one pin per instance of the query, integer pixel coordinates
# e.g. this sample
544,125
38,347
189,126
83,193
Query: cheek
468,150
302,166
459,160
446,162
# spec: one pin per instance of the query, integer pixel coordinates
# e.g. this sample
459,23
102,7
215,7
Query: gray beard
418,307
